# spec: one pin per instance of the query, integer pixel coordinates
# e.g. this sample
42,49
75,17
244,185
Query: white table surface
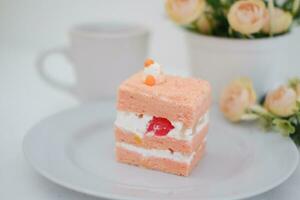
26,99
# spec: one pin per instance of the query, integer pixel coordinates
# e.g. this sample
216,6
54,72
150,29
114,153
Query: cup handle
41,68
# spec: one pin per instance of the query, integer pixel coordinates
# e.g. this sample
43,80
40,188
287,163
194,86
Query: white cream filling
176,156
132,122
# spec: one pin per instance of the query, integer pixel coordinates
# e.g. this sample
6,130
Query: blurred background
26,29
31,26
37,25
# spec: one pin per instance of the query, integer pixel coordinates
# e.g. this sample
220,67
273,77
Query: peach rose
184,11
236,98
279,22
281,101
247,16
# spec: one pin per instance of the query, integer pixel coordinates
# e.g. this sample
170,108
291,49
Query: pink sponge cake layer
177,99
157,163
162,120
155,142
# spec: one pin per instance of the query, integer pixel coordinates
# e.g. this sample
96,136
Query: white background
28,27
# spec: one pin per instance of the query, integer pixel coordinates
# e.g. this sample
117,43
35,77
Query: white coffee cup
102,55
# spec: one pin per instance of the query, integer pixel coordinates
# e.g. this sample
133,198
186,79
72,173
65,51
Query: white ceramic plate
75,149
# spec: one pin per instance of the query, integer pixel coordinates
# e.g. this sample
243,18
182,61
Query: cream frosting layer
137,124
176,156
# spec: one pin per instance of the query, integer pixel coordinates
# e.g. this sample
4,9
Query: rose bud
204,24
281,101
280,22
184,11
296,6
236,98
247,16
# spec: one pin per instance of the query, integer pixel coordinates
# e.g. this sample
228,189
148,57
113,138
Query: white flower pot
221,60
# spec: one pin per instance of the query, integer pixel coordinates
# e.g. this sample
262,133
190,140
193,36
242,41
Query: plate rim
30,133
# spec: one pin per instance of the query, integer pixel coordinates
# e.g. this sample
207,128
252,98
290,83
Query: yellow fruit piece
137,139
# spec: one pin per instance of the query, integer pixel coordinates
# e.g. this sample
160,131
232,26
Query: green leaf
284,126
266,123
265,118
293,82
249,117
288,5
295,120
297,115
261,111
216,4
296,136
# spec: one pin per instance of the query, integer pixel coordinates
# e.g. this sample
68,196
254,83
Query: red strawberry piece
160,126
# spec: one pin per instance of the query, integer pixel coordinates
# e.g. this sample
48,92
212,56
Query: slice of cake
162,120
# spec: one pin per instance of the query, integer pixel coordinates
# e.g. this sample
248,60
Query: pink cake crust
177,99
164,143
156,163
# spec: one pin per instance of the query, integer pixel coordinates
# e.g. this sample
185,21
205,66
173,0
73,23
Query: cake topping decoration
152,73
160,126
148,62
149,80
